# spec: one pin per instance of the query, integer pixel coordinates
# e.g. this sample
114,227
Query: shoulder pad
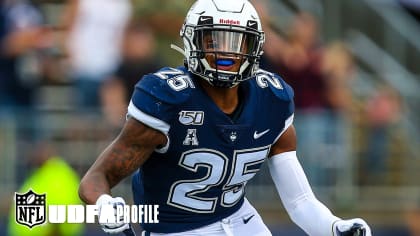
169,85
277,85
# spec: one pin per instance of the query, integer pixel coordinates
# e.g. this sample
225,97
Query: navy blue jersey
199,177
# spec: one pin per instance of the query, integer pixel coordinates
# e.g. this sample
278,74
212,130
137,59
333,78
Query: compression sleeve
303,207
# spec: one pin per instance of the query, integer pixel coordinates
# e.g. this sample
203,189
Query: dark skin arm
286,143
123,156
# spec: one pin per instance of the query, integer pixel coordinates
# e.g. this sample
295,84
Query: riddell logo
230,22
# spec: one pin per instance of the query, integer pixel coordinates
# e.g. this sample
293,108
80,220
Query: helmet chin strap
178,49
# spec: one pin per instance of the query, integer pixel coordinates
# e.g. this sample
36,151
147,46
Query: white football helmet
223,41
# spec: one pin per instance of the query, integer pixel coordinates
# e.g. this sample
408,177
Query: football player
196,134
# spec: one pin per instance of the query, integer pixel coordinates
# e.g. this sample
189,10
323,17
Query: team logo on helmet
30,208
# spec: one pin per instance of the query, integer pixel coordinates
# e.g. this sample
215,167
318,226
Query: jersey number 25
246,163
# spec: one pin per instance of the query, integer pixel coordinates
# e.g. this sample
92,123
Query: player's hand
112,228
352,227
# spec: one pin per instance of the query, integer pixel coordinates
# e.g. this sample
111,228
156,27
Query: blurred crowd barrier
67,71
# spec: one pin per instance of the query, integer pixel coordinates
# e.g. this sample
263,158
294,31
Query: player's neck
226,99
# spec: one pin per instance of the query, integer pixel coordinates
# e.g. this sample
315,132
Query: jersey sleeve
281,96
286,96
281,93
155,103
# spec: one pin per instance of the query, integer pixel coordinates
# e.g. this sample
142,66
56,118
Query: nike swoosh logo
205,18
259,135
245,220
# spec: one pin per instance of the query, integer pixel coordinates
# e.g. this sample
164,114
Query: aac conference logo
30,208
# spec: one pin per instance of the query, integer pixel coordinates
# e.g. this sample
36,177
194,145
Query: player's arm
123,156
303,207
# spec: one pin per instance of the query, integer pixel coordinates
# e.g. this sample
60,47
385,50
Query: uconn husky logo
30,208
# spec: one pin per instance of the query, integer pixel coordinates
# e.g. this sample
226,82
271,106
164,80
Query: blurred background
67,70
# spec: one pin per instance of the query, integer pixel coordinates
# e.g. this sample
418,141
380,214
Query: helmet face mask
225,53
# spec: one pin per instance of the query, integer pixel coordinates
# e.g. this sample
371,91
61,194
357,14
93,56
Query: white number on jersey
175,78
264,78
183,192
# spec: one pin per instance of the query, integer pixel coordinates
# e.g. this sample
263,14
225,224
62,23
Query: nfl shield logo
30,208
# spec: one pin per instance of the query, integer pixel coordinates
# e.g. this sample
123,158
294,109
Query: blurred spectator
299,62
383,110
138,56
138,59
95,30
338,69
21,35
56,178
297,57
114,105
165,17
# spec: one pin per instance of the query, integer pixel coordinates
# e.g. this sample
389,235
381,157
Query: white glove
352,227
112,228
